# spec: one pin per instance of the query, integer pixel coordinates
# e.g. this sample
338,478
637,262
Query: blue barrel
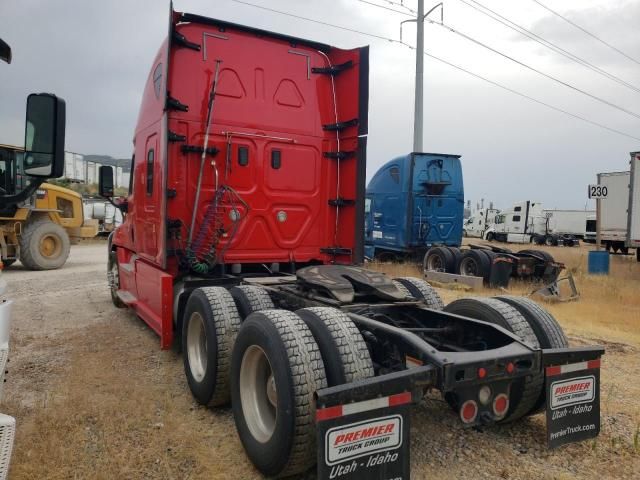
599,262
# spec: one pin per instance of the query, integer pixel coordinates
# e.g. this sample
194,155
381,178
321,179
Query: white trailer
633,211
613,210
568,222
73,166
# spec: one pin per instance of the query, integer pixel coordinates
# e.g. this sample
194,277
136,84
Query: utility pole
418,128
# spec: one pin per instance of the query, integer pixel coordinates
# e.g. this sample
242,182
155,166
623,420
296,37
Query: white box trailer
613,210
73,166
568,222
633,210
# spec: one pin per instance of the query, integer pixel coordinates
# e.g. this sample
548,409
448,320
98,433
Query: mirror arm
120,207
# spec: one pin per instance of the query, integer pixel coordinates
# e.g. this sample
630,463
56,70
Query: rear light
482,372
500,405
469,411
510,367
484,395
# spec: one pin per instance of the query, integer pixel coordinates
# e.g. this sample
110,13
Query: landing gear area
322,367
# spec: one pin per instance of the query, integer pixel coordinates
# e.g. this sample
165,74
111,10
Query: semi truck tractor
528,221
476,225
414,202
243,242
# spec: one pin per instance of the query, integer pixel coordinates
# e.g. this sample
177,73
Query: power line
540,102
386,8
504,87
539,72
550,45
586,31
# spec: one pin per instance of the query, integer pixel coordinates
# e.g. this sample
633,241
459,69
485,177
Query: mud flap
573,399
363,428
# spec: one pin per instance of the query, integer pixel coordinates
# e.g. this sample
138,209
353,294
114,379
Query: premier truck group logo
572,392
363,438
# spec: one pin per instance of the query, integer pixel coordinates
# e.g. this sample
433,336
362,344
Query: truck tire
276,369
44,245
546,256
209,329
251,298
344,352
113,274
546,328
439,259
491,236
525,392
550,241
402,288
421,290
474,263
457,256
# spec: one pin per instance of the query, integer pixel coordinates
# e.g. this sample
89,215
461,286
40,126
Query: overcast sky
97,54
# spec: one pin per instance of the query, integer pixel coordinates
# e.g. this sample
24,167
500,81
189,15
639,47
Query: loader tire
421,290
276,370
113,272
209,329
251,298
344,352
525,392
44,245
546,328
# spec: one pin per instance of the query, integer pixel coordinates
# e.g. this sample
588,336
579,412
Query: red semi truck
242,239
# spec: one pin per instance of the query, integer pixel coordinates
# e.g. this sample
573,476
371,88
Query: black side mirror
44,136
105,182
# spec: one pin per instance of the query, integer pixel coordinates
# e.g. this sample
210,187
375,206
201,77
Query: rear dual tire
525,392
275,371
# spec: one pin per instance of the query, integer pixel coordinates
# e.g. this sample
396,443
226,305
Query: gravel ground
94,397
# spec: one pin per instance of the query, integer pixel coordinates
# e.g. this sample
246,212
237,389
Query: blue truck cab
414,202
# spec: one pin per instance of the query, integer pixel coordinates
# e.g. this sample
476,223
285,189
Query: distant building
85,168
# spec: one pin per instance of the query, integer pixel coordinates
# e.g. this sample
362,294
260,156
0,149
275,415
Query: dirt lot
94,397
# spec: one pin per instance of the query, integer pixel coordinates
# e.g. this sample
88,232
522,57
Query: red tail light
510,367
482,372
468,411
500,405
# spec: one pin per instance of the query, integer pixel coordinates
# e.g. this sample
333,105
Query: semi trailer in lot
241,244
414,202
614,219
633,211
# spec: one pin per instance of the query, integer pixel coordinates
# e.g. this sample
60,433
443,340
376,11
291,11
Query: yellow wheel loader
39,230
38,221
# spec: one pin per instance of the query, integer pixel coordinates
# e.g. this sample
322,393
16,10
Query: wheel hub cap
197,346
258,393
